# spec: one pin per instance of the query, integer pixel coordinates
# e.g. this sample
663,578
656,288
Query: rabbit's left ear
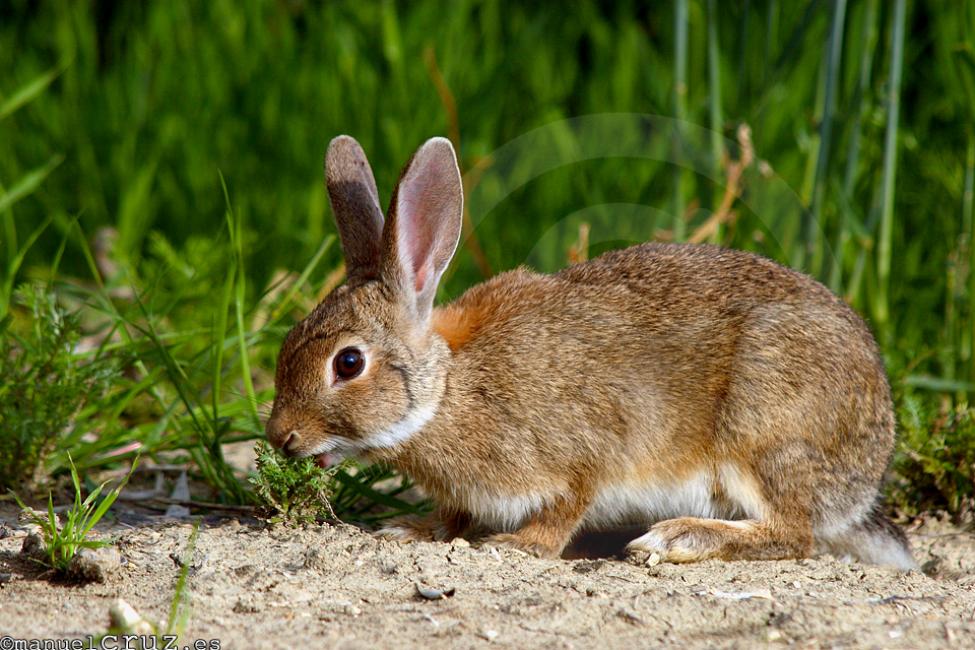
423,225
355,204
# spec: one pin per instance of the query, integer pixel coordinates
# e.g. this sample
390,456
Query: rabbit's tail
874,538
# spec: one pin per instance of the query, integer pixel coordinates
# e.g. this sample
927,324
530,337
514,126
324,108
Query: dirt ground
339,587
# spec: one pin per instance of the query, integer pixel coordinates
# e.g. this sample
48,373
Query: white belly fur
632,503
635,503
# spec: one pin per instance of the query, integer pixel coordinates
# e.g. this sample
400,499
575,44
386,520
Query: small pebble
33,546
95,564
123,617
314,559
490,635
246,607
432,593
629,617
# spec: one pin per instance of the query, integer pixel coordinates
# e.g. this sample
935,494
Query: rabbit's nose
290,446
278,434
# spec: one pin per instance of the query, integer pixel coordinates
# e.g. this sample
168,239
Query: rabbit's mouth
327,460
334,451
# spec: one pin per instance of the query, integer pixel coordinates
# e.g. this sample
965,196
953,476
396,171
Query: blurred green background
834,136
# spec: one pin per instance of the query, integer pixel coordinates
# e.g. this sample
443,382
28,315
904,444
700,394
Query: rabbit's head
362,373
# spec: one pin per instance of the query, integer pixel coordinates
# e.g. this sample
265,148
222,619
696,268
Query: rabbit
734,407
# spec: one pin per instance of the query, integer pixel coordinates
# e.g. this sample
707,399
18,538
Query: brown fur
658,365
456,325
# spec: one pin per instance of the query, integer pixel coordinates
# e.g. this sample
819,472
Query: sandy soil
336,586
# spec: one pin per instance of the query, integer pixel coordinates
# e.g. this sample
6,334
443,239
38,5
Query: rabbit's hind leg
768,524
691,539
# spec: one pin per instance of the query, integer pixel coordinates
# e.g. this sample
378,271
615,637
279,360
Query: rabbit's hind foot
691,539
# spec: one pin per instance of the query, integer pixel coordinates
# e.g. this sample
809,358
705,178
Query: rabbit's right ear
423,225
355,204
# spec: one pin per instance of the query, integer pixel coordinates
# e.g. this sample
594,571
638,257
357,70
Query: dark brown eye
349,363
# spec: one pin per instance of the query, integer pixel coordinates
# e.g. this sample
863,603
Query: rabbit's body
737,406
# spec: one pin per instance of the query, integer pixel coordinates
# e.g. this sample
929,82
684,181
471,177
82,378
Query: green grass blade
967,345
233,224
714,104
834,51
939,384
107,501
866,37
179,610
363,489
29,91
13,266
885,239
285,301
679,227
29,182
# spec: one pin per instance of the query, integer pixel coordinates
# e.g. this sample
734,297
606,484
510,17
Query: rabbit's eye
349,363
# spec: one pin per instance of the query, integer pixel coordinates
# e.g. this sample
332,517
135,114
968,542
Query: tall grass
885,244
168,155
681,21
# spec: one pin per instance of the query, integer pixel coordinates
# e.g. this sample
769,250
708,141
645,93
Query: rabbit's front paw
442,525
520,543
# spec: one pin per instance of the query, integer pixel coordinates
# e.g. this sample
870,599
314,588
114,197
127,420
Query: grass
160,174
885,243
295,493
51,395
63,539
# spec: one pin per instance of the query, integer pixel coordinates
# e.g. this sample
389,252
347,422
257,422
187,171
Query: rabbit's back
693,321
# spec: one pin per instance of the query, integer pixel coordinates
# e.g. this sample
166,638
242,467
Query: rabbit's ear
355,204
423,224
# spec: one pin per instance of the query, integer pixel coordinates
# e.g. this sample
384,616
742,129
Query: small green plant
935,465
295,491
48,388
63,540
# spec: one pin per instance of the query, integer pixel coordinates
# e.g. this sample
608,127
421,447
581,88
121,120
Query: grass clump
296,491
49,392
935,464
63,540
293,491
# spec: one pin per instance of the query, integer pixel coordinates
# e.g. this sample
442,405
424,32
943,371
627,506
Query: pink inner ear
421,276
424,206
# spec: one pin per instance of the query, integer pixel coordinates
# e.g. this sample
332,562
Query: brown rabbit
737,408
